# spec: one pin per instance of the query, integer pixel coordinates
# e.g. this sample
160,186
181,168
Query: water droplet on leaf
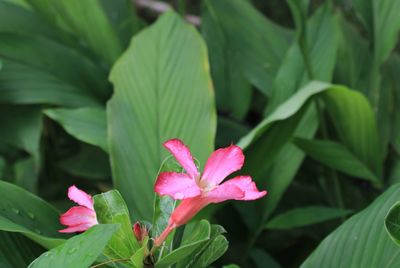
72,251
31,215
16,210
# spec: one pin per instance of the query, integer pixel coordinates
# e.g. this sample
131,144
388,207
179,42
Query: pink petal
80,197
186,210
181,152
77,228
78,215
222,163
244,184
177,185
225,192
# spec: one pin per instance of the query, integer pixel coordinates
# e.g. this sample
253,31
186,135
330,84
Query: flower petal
222,163
182,153
80,197
224,192
244,184
186,210
78,215
176,185
77,228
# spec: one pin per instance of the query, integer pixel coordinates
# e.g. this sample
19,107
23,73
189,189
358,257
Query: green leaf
22,128
304,216
320,45
392,223
261,50
23,84
23,21
382,21
85,124
168,97
90,163
22,212
361,241
26,174
80,18
231,266
284,111
78,251
111,208
17,250
355,123
215,247
232,90
263,259
336,156
137,258
45,54
196,234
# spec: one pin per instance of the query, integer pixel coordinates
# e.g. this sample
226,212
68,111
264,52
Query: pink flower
79,218
197,191
140,231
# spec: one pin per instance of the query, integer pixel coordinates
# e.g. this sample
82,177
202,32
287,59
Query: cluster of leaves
323,149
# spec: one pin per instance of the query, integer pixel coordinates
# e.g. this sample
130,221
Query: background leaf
168,97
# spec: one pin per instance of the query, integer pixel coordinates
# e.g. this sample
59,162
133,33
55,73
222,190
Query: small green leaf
305,216
392,223
196,234
85,124
79,251
111,208
336,156
137,258
215,247
22,212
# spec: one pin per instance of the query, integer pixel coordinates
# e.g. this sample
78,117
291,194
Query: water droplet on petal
15,210
31,215
179,196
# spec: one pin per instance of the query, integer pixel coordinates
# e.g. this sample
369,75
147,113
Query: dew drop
15,210
72,251
31,215
179,196
38,231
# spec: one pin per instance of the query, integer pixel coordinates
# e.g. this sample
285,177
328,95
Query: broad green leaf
17,250
383,22
284,165
232,90
394,176
23,84
196,234
137,258
26,174
361,241
85,124
22,127
392,223
162,91
215,247
23,21
111,208
260,50
122,16
336,156
231,266
78,251
353,57
320,45
90,163
229,131
304,216
81,18
284,111
22,212
354,120
263,259
45,54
